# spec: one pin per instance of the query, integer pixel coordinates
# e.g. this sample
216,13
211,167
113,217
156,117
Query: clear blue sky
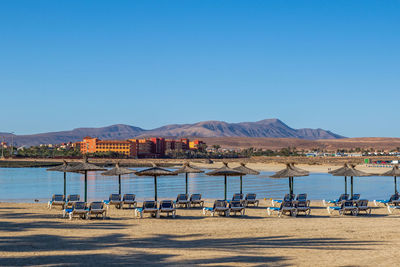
328,64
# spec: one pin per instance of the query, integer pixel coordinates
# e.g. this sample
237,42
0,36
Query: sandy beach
33,235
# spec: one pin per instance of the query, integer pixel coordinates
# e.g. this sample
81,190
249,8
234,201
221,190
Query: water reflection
27,184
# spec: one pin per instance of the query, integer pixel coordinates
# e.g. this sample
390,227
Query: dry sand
33,235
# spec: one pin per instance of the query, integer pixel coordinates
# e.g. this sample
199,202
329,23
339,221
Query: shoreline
259,166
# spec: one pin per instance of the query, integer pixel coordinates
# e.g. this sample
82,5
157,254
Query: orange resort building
137,148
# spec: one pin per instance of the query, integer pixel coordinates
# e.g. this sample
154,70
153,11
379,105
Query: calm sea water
27,184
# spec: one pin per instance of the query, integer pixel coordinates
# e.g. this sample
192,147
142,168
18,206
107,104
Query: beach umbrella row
289,172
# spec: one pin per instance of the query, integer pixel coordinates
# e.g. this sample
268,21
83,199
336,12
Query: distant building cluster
155,147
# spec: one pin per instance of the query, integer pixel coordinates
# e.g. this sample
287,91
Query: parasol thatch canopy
85,166
290,171
395,171
186,168
225,171
65,167
154,171
117,170
349,170
242,168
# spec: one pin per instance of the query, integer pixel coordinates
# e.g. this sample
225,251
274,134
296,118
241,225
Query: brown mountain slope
273,128
269,128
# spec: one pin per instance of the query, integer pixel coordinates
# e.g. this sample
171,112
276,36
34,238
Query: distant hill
269,128
266,128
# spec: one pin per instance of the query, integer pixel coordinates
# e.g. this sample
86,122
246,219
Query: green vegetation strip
26,164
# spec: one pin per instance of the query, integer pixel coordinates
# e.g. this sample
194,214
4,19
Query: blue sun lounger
78,209
342,197
392,200
287,197
286,207
346,207
57,200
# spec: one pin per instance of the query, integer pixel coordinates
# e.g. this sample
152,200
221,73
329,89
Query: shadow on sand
128,249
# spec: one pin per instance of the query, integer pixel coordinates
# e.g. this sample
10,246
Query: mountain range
270,128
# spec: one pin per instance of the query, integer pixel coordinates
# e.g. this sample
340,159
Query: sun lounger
129,199
347,207
287,197
183,200
286,207
115,199
236,206
57,200
148,207
342,197
303,206
78,209
394,199
195,199
301,197
71,199
362,205
167,206
96,209
392,208
251,199
355,197
237,197
220,207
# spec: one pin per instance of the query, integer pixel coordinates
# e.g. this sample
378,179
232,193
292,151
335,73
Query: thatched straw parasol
84,167
118,171
242,168
155,172
394,172
62,168
186,168
225,171
349,170
290,172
